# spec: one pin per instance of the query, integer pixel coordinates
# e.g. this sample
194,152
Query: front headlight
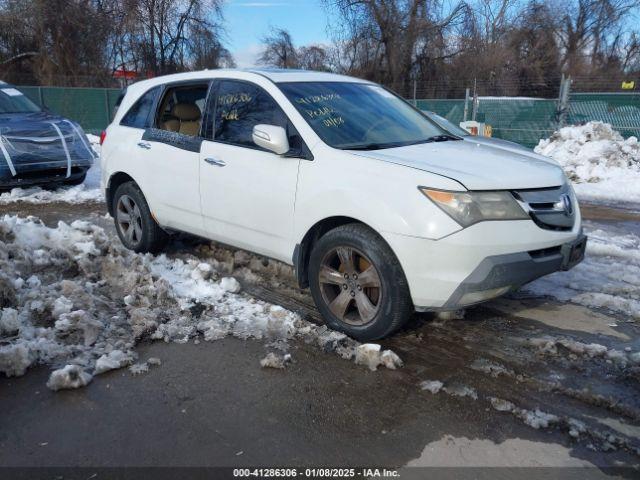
468,208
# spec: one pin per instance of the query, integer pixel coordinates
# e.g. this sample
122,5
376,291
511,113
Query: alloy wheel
129,219
350,285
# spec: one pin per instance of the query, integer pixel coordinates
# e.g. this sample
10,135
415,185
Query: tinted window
239,107
13,101
139,115
182,109
121,95
357,115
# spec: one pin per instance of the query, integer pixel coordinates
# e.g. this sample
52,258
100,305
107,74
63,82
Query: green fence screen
521,120
527,120
91,107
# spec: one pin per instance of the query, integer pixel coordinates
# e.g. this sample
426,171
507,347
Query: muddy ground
210,404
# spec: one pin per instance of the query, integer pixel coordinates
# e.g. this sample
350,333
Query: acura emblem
567,206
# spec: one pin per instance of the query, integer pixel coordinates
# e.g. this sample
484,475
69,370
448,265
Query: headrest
187,112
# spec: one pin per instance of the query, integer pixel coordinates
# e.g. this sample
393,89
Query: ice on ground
455,390
139,368
71,295
433,386
112,361
491,368
273,360
68,377
89,191
372,356
461,391
609,276
550,346
603,165
534,418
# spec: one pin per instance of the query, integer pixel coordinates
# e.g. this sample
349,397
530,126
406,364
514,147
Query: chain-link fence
521,119
527,120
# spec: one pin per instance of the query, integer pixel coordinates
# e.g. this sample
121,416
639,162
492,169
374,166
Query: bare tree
160,35
401,28
279,50
588,29
48,40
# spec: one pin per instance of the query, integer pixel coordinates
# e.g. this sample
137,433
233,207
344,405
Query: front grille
545,252
550,208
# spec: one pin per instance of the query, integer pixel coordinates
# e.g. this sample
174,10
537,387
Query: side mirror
272,138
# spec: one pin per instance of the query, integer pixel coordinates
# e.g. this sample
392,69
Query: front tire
358,284
135,226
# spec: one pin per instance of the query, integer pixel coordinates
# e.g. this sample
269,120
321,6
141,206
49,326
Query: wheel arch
302,250
114,182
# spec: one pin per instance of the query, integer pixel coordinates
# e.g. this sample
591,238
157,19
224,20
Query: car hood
475,165
35,124
507,145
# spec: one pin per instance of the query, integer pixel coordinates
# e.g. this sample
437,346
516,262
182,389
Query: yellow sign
628,85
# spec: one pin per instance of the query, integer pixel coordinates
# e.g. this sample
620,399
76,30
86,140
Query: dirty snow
577,350
455,389
75,299
534,418
371,355
606,439
433,386
600,162
89,191
608,278
274,360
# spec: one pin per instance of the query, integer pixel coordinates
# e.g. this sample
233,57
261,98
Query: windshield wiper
372,146
441,138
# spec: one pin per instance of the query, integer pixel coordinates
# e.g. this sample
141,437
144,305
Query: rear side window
182,109
239,107
139,115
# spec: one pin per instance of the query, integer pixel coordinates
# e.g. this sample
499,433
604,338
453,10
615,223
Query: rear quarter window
140,114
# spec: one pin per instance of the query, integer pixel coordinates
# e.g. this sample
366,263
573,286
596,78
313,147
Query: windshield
360,116
13,101
446,124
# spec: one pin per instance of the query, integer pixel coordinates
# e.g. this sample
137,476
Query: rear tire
135,226
358,284
76,181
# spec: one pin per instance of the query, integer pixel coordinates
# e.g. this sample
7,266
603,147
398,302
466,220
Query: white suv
380,211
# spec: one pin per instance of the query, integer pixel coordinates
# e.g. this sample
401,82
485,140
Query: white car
380,210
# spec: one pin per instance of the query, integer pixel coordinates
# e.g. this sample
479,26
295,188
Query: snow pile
552,345
598,159
76,299
89,191
609,276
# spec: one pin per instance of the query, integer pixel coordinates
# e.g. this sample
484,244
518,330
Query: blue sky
247,21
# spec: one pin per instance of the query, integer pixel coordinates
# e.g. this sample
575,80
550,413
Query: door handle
213,161
145,145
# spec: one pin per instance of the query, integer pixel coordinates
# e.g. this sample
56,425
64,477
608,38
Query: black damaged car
38,147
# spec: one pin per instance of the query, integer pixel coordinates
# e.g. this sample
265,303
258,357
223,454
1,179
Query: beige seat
187,119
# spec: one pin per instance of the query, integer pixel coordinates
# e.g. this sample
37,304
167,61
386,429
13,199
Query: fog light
475,297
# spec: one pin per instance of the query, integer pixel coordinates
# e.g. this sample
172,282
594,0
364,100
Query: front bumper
483,261
28,177
499,274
